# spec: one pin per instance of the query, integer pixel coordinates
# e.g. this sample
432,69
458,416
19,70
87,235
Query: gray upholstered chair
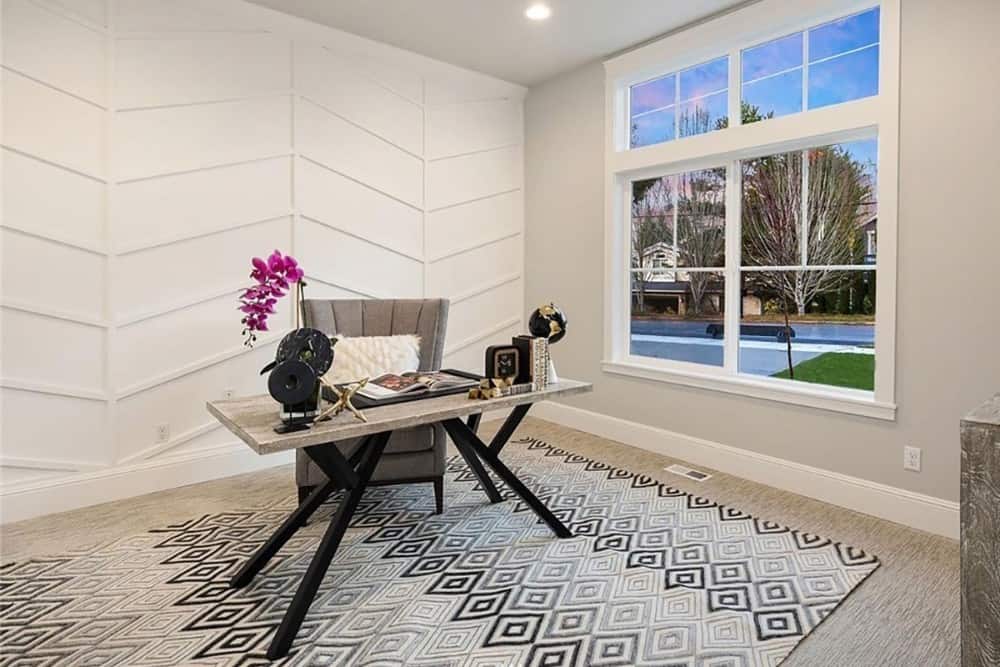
412,455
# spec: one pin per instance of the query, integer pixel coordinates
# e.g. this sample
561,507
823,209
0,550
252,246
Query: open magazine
391,385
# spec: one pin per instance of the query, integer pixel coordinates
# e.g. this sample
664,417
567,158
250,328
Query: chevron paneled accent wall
150,148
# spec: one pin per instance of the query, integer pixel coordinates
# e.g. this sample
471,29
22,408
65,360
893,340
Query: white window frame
838,123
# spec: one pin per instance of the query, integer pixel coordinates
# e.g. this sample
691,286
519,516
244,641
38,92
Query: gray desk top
253,419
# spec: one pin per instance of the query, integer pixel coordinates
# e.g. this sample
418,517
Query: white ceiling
494,37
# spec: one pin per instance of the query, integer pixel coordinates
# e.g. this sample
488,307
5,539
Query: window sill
845,401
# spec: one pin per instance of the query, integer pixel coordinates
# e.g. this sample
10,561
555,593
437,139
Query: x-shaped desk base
353,477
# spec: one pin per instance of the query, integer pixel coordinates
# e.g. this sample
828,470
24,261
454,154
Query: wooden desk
253,420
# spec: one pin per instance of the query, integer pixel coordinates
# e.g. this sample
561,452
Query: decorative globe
548,322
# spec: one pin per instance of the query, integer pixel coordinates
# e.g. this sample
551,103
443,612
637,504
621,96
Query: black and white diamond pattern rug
654,576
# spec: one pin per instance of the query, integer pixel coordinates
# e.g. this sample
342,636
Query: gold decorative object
343,402
491,388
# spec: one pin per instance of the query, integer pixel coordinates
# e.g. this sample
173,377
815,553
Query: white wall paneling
358,153
183,338
67,354
54,49
190,68
93,13
75,216
150,148
337,85
81,294
153,142
457,229
52,125
356,209
166,17
356,264
454,129
478,316
180,402
172,208
65,433
473,176
464,273
167,276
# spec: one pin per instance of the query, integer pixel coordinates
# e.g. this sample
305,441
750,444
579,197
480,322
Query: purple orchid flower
274,277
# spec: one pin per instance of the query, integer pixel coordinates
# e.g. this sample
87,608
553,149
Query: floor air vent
690,473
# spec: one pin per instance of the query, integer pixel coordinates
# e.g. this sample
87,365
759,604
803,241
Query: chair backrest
427,318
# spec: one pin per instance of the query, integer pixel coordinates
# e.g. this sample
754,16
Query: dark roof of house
673,287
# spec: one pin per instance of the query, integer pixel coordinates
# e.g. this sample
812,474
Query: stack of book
534,367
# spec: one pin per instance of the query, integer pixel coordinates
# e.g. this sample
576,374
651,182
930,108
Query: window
831,63
681,104
747,261
678,248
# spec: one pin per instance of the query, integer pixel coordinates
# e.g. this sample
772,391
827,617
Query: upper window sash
701,44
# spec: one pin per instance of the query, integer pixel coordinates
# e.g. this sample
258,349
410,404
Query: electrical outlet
911,458
162,432
227,394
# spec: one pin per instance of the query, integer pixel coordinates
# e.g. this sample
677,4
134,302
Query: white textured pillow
371,356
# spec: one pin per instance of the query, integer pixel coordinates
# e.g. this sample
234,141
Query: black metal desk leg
295,520
508,427
460,432
473,421
472,460
310,583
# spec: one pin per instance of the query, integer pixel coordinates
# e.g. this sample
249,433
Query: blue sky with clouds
842,66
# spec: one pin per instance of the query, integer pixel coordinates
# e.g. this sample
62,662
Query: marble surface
981,535
253,419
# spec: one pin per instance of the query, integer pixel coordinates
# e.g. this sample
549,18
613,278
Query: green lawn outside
840,369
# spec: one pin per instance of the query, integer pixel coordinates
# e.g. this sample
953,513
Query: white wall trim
47,496
222,228
323,165
195,367
54,313
488,287
355,235
476,337
477,246
204,167
917,510
54,389
53,163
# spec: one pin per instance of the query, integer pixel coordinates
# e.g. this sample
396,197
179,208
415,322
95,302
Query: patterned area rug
655,576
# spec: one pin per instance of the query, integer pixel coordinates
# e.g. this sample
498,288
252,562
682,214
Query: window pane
701,80
772,97
653,106
678,319
844,78
842,207
846,34
701,219
831,326
653,128
653,94
704,115
652,238
772,210
770,58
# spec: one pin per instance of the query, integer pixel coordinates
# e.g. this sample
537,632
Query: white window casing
838,123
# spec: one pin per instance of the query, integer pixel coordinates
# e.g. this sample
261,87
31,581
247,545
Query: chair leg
439,494
304,492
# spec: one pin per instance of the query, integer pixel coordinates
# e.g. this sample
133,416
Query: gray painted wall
949,264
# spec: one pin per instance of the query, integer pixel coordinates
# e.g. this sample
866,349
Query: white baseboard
917,510
99,486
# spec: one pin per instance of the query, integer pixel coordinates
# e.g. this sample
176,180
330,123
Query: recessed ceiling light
538,12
